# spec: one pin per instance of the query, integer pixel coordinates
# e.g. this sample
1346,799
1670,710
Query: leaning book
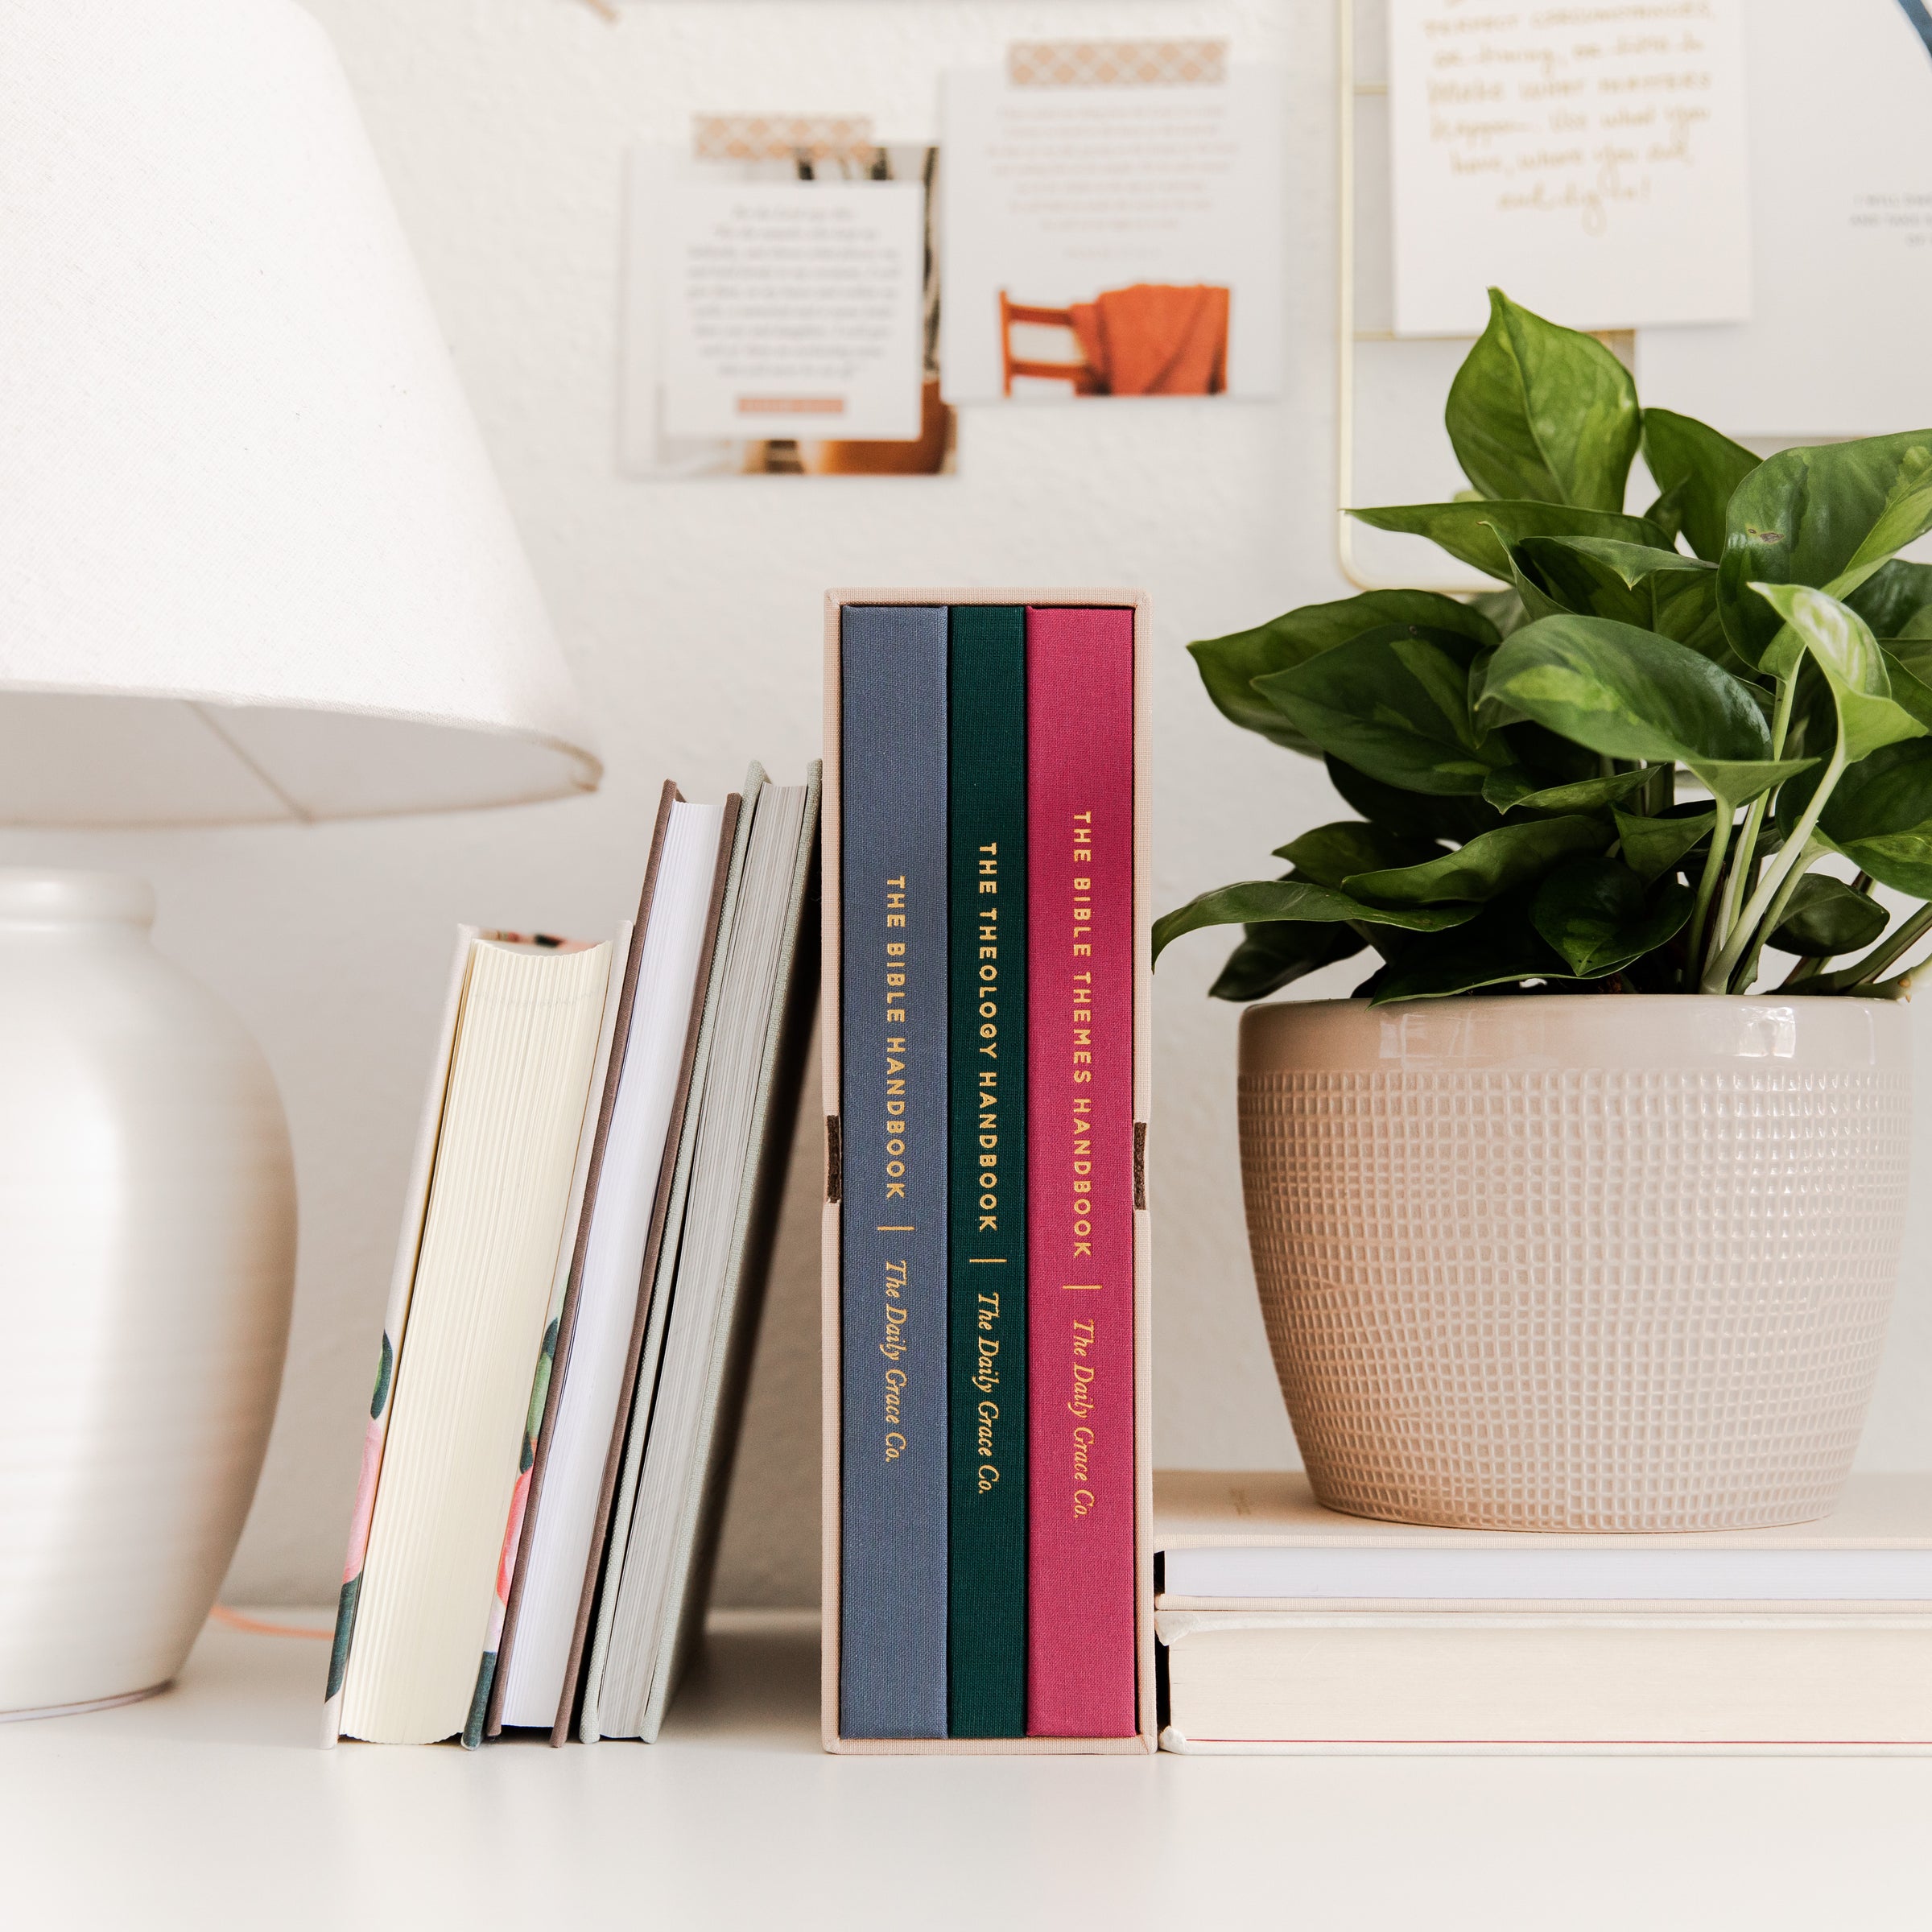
490,1198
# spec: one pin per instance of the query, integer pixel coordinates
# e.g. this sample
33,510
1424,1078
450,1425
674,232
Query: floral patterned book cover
513,1530
394,1323
394,1319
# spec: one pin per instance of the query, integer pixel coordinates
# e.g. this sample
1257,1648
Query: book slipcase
1145,1739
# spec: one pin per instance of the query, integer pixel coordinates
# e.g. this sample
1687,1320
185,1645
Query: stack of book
987,1269
577,1287
1283,1627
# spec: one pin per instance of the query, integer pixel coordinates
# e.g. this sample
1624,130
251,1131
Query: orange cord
233,1619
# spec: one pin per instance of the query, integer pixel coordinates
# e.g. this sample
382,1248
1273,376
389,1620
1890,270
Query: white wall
691,614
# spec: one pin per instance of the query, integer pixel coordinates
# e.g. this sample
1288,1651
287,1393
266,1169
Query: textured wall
690,614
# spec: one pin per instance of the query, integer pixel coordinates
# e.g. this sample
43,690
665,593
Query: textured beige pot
1577,1262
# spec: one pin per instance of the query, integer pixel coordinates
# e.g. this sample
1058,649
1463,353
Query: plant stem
1707,886
1741,981
1881,956
1747,849
1717,974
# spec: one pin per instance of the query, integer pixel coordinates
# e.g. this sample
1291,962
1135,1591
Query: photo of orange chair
1149,340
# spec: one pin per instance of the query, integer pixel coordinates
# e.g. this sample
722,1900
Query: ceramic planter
1577,1262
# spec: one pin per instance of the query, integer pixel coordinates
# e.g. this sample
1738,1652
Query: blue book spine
893,1118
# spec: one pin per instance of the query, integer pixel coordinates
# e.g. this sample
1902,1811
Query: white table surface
211,1806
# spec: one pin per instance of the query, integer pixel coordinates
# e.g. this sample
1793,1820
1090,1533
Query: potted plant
1568,1219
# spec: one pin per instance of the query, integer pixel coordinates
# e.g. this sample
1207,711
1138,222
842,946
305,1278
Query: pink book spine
1079,1088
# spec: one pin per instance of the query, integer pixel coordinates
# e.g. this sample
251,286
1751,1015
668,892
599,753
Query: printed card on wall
1590,160
792,303
782,304
1114,216
1841,170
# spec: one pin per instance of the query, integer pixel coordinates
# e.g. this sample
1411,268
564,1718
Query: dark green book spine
986,1594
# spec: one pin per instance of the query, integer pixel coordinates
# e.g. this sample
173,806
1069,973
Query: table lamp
253,566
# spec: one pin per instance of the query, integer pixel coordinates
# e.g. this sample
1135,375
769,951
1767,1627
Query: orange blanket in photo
1155,340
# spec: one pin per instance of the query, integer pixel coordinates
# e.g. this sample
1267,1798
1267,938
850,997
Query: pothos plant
1619,771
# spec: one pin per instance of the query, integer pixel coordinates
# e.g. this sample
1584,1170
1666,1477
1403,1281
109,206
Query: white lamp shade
254,562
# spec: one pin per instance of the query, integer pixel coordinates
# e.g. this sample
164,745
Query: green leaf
1880,816
1537,599
1685,609
1912,655
1894,598
1503,608
1485,867
1627,693
1700,469
1256,901
1632,564
1825,916
1667,511
1542,413
1478,671
1653,847
1330,853
1660,590
1395,703
1480,534
1814,724
1600,915
1513,790
1829,517
1499,947
1909,667
1568,578
1275,954
1548,758
1414,815
1229,665
1843,648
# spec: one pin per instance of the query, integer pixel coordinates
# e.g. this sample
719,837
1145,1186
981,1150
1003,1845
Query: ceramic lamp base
147,1222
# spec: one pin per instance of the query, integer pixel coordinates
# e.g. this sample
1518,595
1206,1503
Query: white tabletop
211,1806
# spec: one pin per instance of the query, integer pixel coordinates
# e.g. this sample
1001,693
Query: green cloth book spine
986,1595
